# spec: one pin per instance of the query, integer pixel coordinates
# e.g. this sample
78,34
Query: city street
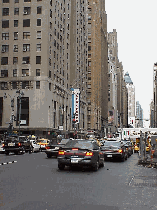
34,182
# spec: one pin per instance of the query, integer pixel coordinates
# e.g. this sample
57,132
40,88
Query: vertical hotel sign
76,104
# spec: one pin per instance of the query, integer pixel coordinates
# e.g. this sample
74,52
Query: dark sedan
81,153
114,150
52,149
129,148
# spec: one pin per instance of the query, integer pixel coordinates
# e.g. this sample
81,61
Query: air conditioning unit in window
23,62
24,50
24,75
25,13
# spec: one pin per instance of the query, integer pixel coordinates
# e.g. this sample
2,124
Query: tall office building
131,100
155,94
97,84
79,56
139,116
35,58
112,82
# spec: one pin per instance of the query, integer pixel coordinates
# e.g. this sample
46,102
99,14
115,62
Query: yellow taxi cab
148,148
43,143
136,148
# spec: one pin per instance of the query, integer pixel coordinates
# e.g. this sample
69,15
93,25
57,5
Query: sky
136,24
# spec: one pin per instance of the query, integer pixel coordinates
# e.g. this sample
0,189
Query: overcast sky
136,24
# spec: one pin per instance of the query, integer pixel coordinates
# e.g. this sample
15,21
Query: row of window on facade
26,48
26,11
19,84
25,72
26,35
17,1
26,23
25,60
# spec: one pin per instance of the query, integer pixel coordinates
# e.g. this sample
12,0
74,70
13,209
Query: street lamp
21,94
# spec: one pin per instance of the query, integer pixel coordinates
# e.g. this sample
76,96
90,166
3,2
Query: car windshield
79,144
111,143
64,141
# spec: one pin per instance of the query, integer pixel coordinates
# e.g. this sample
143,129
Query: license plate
74,160
109,155
56,147
11,144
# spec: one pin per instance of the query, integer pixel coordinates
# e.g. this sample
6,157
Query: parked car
52,149
114,150
80,153
17,145
36,147
136,148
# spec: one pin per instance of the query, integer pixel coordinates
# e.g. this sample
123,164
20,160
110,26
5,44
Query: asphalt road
35,183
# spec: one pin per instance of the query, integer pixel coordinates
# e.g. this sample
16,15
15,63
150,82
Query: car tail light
2,145
120,151
89,153
19,144
126,148
47,147
61,152
75,149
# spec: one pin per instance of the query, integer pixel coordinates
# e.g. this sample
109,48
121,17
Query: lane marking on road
14,161
131,180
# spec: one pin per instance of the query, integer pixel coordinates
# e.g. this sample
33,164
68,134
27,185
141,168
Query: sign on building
76,104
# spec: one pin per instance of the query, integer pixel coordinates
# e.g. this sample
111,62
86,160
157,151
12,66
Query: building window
27,11
5,1
14,72
25,72
5,48
26,23
15,35
49,86
38,59
89,48
14,85
38,34
15,60
38,22
37,84
26,35
16,11
4,60
15,48
25,84
15,23
39,0
27,0
38,47
4,86
37,72
16,1
26,60
5,23
26,47
39,10
4,73
5,36
5,11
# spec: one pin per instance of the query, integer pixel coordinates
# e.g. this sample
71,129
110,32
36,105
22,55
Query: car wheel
16,153
49,156
123,159
96,166
61,166
102,164
7,153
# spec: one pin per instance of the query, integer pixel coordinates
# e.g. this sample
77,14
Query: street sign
61,128
22,121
